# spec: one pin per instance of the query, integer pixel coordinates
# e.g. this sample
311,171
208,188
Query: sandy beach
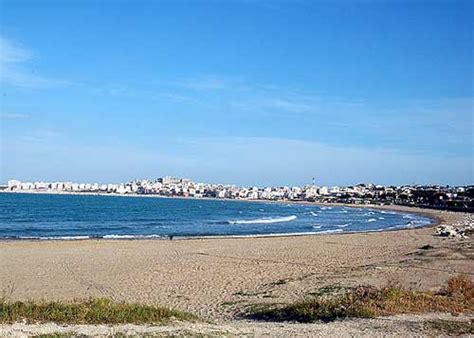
217,278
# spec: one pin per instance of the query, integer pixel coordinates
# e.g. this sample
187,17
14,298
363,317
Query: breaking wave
130,236
75,238
330,231
265,220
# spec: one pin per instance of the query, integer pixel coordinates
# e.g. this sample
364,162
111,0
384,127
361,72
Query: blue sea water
48,216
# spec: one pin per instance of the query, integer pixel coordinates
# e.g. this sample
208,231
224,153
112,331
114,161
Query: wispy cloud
47,155
11,52
257,97
12,116
238,160
150,93
176,97
13,71
209,83
247,160
277,103
442,125
119,91
285,104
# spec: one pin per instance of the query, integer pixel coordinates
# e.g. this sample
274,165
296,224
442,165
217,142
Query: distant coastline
457,198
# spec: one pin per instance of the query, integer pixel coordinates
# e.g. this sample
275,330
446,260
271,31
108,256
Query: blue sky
246,92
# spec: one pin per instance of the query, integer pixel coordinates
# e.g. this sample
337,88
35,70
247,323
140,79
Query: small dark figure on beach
171,237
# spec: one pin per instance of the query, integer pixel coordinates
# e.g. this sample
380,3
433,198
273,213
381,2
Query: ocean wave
343,225
398,226
283,234
330,231
81,237
130,236
317,226
370,220
62,238
415,223
313,213
265,220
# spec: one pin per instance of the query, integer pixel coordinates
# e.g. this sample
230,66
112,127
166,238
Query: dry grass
461,287
451,327
367,302
60,335
93,311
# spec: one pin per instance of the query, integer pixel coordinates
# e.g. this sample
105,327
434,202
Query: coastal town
455,198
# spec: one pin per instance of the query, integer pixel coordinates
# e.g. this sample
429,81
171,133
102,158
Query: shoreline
432,214
119,238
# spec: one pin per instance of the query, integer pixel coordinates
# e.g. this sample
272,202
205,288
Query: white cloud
12,68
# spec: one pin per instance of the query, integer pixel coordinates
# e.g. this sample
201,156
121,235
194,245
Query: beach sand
216,278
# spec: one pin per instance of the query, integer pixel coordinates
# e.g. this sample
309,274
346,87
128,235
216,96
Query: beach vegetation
92,311
280,282
60,335
369,302
451,327
250,293
231,303
427,247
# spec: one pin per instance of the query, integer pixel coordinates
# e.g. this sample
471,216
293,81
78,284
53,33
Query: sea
62,216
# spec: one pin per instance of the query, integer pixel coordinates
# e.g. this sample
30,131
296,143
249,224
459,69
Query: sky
241,92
